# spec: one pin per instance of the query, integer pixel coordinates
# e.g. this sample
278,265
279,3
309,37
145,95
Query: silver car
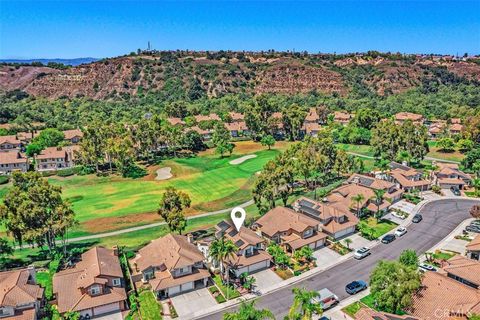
361,253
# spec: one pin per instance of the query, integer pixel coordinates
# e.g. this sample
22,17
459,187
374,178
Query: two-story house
311,125
449,175
392,193
251,256
342,117
55,158
407,178
12,161
73,136
171,265
93,287
464,270
236,125
336,222
8,143
356,198
290,229
21,298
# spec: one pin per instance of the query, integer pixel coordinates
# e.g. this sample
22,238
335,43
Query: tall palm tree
221,250
358,200
304,307
378,198
247,311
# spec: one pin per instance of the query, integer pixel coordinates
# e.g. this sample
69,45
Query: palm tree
358,200
348,242
304,306
222,250
247,311
378,198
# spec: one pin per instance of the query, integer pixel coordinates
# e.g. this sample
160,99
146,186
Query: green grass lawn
375,228
360,149
443,255
149,307
228,291
353,308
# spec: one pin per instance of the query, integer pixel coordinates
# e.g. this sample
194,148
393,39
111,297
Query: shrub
48,173
84,170
4,179
133,171
66,172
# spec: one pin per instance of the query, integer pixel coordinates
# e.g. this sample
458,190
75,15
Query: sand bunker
164,173
243,159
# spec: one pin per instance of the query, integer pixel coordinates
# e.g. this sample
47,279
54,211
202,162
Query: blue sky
69,29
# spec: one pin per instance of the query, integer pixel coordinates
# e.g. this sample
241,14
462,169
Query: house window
116,282
94,290
308,233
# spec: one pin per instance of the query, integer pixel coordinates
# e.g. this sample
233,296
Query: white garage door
106,308
187,286
173,290
258,266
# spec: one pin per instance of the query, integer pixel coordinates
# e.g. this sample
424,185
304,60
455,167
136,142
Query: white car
361,253
400,231
326,299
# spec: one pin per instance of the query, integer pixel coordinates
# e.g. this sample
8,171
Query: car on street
426,267
400,231
361,253
473,228
455,191
417,218
355,287
388,238
326,298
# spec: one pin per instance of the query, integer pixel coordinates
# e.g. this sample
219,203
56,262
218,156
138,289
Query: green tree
305,253
348,242
34,149
446,144
465,145
409,258
34,212
392,285
247,311
278,254
379,193
304,306
268,141
221,140
357,200
6,250
293,117
171,209
221,250
49,138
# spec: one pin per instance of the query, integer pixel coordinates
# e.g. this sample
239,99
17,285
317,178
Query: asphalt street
440,218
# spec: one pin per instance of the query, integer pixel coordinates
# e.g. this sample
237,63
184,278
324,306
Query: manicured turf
360,149
353,308
104,204
378,228
149,307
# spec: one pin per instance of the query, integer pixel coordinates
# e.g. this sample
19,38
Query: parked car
388,238
326,299
417,218
426,267
361,253
400,231
456,191
355,287
401,215
475,223
324,318
473,228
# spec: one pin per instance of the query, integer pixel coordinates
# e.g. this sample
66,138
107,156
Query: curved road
440,218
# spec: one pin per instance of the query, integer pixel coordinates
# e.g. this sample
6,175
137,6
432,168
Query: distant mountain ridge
68,62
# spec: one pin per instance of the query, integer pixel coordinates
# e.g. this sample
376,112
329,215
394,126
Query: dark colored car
456,191
388,238
473,228
355,287
417,218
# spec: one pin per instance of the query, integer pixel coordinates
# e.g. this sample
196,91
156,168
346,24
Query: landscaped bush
4,179
83,170
66,172
134,172
48,173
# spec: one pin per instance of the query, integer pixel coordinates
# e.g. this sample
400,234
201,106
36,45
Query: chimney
32,273
190,237
115,250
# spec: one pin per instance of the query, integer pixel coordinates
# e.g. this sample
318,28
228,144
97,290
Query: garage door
106,308
258,266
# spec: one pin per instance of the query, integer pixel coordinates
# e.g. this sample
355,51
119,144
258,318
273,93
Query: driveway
265,279
326,257
403,205
193,301
357,241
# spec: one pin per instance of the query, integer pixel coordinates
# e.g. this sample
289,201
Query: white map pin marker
238,221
